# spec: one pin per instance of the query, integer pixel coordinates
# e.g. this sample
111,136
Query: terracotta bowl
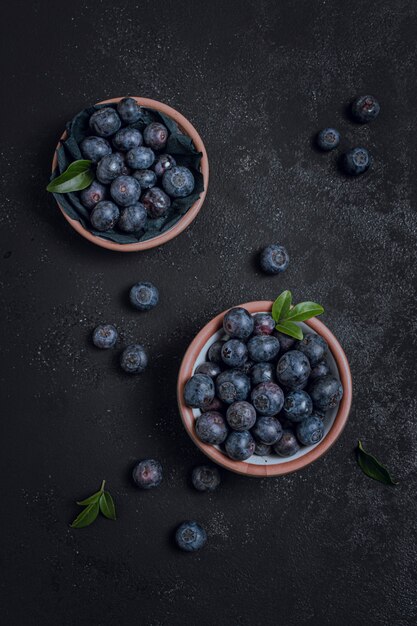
273,465
185,221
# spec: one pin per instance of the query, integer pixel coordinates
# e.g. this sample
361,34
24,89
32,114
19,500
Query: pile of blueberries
357,160
134,178
260,391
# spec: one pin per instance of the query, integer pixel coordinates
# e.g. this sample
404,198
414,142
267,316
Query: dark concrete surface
324,546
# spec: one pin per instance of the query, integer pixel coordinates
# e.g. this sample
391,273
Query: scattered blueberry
104,215
199,391
147,474
208,368
214,353
178,181
164,163
261,449
105,122
263,348
105,336
133,218
129,110
356,161
285,341
241,415
268,399
238,323
95,148
155,136
293,369
125,190
146,178
318,371
328,139
310,431
297,405
313,346
134,359
205,478
210,427
288,444
274,259
127,138
232,386
240,445
234,353
157,202
93,194
140,158
144,296
264,324
365,109
267,430
109,168
190,536
262,373
326,392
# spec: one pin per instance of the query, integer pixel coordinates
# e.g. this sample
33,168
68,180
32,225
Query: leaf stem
102,485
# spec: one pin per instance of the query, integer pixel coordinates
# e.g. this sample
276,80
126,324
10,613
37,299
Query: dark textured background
321,547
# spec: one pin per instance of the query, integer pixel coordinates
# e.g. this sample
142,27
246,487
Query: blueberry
129,110
190,536
104,215
156,135
144,296
105,122
365,109
241,415
210,369
109,168
232,386
240,445
328,139
293,369
95,148
262,373
105,336
356,161
215,405
267,398
199,391
234,353
263,348
267,430
319,370
246,367
178,181
274,259
210,427
238,323
297,405
140,158
288,444
146,178
147,474
285,341
313,346
133,218
134,359
326,392
93,194
125,190
205,478
164,163
261,449
264,324
157,202
127,138
310,431
126,171
214,353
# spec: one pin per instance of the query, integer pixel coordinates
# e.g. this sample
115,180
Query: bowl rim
242,467
192,212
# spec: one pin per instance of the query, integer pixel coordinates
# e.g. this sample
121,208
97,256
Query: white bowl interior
274,459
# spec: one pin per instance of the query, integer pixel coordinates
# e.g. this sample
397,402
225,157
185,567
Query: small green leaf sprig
285,315
373,468
76,177
99,501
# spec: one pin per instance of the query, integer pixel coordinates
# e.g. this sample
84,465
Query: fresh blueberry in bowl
288,445
274,259
326,392
205,478
199,391
146,178
262,373
211,428
365,109
129,110
144,296
232,386
95,148
285,341
297,405
215,405
261,449
356,161
267,430
328,139
140,158
214,353
127,138
164,163
156,202
263,324
238,323
267,398
134,359
313,346
190,536
105,122
155,135
147,474
263,348
241,415
310,430
178,181
293,369
209,368
133,218
240,445
234,353
93,194
125,190
105,336
319,370
109,168
104,216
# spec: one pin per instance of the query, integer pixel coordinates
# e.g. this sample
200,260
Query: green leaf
281,305
87,516
373,468
303,311
91,499
291,329
77,176
107,506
